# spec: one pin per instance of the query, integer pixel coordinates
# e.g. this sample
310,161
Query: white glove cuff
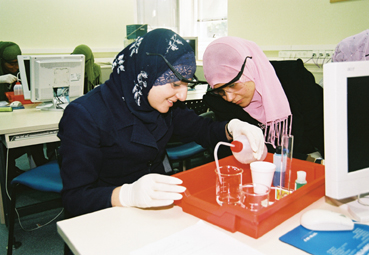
229,132
125,195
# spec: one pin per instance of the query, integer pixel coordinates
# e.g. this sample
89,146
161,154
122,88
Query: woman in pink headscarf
245,85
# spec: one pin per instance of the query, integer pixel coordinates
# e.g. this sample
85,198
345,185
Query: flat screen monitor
52,78
193,42
346,130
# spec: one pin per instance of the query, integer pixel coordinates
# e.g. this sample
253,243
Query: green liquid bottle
301,179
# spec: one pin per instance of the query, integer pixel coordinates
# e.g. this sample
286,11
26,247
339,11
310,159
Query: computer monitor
193,42
52,78
346,130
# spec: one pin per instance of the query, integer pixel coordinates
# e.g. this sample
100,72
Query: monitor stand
50,106
58,103
359,208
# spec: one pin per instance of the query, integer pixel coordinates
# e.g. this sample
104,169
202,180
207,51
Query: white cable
6,173
16,211
39,226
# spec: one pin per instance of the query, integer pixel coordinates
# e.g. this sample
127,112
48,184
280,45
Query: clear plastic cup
228,184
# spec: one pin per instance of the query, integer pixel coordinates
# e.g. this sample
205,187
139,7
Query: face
163,97
240,93
11,66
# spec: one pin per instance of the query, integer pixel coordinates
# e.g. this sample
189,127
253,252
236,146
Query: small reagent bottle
18,90
278,180
301,179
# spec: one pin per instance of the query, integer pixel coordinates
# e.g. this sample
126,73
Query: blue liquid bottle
277,157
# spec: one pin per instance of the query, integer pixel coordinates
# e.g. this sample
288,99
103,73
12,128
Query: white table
20,128
122,230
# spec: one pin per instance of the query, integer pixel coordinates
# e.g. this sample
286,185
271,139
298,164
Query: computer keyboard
32,135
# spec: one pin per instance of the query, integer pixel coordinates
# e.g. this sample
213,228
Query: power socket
314,54
328,53
284,54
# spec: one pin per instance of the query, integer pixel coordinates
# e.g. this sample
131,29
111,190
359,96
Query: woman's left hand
253,134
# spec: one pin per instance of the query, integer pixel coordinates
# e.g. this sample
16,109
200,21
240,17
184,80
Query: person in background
113,139
8,67
8,76
92,70
281,97
353,48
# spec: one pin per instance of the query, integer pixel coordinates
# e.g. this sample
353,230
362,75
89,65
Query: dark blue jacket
104,146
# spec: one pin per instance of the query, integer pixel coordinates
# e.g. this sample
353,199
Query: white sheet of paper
199,239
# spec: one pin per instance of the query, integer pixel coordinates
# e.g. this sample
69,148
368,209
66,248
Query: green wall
296,22
58,26
51,26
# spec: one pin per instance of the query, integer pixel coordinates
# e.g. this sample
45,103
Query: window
158,14
205,19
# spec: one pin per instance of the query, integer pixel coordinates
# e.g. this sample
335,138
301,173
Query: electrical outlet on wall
284,54
329,53
314,54
321,54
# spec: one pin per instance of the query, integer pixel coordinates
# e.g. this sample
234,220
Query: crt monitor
52,78
346,131
193,42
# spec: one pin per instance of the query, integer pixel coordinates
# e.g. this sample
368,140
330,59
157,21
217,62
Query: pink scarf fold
222,61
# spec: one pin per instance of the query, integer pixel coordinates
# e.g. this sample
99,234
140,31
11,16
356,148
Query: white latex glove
253,134
151,190
7,78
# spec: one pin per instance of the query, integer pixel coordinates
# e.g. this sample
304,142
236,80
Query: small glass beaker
228,184
254,196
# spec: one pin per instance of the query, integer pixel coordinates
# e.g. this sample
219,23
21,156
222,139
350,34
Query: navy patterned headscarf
136,72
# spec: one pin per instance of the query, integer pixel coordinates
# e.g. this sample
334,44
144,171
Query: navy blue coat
104,146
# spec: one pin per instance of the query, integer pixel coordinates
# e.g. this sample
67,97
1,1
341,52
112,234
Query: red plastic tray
20,98
199,198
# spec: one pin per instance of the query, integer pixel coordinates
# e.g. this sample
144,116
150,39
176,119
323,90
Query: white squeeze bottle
18,90
242,150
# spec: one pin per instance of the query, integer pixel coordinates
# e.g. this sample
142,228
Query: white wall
44,25
296,22
51,26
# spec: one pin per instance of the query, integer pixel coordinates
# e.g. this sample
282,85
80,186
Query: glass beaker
228,184
254,196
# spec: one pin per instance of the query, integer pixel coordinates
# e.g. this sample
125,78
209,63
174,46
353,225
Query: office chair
184,152
44,178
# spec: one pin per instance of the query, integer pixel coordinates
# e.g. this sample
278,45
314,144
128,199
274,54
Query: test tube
286,162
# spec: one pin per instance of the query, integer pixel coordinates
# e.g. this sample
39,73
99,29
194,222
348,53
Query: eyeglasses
190,83
219,91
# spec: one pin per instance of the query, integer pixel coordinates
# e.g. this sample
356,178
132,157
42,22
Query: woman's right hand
253,133
7,78
151,190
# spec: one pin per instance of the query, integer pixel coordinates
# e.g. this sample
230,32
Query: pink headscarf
222,61
353,48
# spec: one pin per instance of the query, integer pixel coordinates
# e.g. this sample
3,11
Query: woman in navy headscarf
113,139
